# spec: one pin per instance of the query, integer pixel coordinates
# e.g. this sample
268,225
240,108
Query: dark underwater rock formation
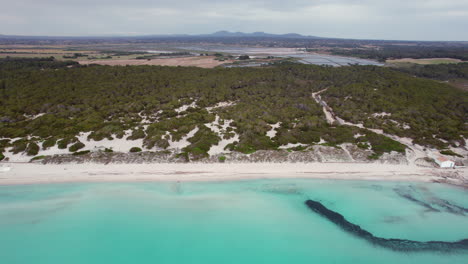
411,198
434,203
390,243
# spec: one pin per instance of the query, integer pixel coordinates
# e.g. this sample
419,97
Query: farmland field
425,61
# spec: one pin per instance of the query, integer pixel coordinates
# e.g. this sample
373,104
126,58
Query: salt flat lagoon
254,221
332,60
301,56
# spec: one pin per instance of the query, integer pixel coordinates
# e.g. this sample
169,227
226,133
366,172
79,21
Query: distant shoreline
24,173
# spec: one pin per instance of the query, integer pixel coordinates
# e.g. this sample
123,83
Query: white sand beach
32,173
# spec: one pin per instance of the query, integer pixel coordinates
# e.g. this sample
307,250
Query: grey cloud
401,19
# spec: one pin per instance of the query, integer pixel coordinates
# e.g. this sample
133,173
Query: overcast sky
362,19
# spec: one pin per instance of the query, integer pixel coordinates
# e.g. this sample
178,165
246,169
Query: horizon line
312,37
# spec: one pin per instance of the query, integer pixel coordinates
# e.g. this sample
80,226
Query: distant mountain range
257,34
218,34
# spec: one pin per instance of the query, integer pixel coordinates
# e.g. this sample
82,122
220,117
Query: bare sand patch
197,61
31,173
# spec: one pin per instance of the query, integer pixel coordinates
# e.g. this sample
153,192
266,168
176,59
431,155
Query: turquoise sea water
259,221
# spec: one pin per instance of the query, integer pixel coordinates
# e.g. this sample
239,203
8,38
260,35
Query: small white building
444,162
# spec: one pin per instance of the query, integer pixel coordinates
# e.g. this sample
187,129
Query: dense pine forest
45,103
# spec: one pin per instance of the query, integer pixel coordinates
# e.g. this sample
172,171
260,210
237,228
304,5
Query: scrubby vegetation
450,153
77,146
201,143
41,157
442,72
108,150
79,153
48,103
423,110
32,149
50,142
26,64
135,149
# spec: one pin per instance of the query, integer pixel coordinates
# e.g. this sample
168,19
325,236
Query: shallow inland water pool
255,221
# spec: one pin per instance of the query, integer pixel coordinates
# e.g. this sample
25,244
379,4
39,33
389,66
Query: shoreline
33,173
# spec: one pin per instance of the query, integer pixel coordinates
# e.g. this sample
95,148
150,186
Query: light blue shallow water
262,221
305,58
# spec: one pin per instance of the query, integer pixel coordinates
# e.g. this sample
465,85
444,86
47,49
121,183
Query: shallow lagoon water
258,221
303,57
333,60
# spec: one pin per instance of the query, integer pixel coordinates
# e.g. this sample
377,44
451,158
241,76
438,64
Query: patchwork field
197,61
425,61
42,52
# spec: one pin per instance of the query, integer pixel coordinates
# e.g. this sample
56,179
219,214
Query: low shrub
381,144
162,143
183,155
299,148
78,153
363,145
38,158
231,146
137,134
32,149
450,153
246,149
4,143
48,143
63,143
75,147
197,153
374,156
19,146
135,149
328,144
201,143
